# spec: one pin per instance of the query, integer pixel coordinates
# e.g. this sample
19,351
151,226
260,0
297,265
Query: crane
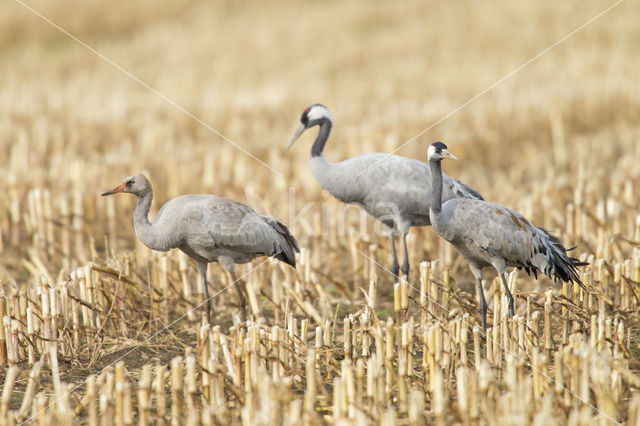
209,228
393,189
488,234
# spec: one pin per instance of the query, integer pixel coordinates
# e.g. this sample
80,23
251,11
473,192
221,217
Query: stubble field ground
203,97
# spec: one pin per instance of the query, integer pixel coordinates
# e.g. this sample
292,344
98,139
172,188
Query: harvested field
203,97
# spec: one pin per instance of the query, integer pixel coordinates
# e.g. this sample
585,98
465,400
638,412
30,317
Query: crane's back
385,185
214,226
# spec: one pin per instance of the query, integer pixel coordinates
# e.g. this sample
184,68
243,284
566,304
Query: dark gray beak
301,128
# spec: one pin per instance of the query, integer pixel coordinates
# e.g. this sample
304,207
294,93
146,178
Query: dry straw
97,329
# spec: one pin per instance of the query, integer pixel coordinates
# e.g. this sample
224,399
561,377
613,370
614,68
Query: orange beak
119,188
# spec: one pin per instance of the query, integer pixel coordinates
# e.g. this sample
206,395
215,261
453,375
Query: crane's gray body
485,232
210,228
488,234
396,190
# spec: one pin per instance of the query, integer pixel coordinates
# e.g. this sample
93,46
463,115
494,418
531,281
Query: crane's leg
483,304
405,263
395,267
229,265
509,296
477,273
500,265
202,268
243,302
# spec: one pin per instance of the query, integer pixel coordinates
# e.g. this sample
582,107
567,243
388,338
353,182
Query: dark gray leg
395,268
509,296
477,273
405,264
243,303
483,303
203,271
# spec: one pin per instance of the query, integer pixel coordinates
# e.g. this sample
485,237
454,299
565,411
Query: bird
393,189
488,234
209,228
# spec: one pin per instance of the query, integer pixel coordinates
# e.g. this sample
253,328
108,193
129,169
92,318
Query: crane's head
136,184
311,116
438,151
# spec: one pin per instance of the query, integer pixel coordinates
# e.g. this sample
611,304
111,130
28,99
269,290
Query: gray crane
391,188
488,234
209,228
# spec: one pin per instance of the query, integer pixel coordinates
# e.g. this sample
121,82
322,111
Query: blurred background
75,119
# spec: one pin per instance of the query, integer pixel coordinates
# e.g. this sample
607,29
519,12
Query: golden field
203,97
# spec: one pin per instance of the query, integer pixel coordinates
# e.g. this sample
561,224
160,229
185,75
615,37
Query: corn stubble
97,329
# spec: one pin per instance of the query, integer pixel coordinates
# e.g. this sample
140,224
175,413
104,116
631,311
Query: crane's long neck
436,191
323,170
323,134
144,228
160,236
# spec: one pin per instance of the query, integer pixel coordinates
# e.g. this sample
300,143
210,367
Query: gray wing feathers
235,226
461,190
504,233
286,246
498,230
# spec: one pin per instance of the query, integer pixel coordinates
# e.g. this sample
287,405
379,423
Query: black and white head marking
436,148
315,114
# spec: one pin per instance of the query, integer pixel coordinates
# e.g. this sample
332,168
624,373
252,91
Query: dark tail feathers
561,265
285,251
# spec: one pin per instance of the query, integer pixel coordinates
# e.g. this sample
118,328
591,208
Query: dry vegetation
96,328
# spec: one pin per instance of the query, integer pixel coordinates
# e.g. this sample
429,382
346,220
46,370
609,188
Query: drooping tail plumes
557,264
288,246
564,266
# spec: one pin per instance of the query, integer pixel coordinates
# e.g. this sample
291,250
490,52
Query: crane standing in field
209,228
488,234
393,189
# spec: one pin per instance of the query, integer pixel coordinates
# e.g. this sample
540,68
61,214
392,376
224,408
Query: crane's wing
282,229
220,223
460,190
286,252
505,233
